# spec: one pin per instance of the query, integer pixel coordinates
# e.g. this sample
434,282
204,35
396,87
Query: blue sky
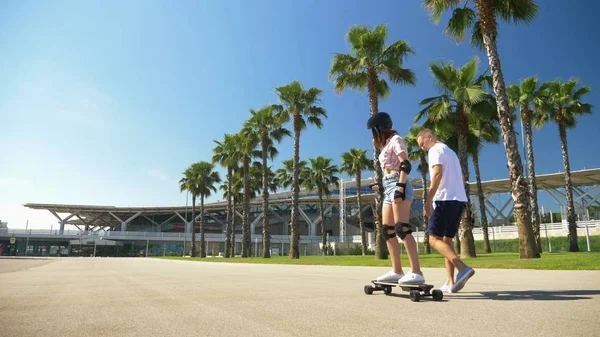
107,102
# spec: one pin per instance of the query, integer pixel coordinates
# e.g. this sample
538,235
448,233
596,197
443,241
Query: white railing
543,226
315,239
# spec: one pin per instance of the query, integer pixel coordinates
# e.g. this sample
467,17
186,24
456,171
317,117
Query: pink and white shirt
388,158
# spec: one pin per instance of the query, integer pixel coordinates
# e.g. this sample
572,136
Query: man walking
444,206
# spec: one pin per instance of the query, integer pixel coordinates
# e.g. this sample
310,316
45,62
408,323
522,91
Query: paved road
149,297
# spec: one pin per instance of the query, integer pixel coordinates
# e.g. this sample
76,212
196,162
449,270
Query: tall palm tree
416,154
355,162
528,97
322,174
235,185
226,153
285,176
268,123
248,141
483,127
200,181
482,19
461,91
302,107
369,60
207,178
564,106
191,183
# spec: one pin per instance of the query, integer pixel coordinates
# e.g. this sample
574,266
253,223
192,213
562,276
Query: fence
309,245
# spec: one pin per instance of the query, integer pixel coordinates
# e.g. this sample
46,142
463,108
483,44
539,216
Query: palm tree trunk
380,244
246,241
266,244
229,214
202,240
426,245
535,211
193,229
323,232
466,223
484,221
361,223
233,225
294,252
571,217
519,186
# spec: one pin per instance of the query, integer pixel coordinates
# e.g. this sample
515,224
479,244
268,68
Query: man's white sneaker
446,288
390,276
412,278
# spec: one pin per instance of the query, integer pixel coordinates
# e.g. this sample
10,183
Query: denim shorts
389,187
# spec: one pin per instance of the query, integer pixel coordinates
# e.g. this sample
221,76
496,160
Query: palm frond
437,7
517,11
461,20
383,89
468,71
477,36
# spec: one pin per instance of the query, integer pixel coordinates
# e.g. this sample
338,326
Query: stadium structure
92,230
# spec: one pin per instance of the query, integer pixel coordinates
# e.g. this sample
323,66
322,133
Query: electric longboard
415,291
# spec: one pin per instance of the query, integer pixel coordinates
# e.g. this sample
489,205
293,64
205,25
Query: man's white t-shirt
452,184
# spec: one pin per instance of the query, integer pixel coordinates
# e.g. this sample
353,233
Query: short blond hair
424,132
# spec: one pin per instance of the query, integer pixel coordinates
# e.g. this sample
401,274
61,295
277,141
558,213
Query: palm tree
528,97
369,60
485,31
284,176
564,105
416,154
235,185
355,162
483,127
461,91
248,141
226,153
267,122
302,106
200,181
322,174
191,183
207,178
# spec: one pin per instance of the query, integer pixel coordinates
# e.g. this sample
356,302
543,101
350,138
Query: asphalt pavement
153,297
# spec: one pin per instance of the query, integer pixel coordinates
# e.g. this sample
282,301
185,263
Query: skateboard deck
416,291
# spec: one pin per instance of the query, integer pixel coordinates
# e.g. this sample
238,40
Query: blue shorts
445,218
389,187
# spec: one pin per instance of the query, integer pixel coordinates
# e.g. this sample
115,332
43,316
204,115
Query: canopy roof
589,177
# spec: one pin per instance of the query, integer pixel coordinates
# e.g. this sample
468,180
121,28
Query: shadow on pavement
532,295
407,297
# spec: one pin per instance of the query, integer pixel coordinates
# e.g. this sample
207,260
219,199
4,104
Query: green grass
548,261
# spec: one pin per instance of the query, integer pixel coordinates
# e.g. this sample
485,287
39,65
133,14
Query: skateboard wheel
387,290
368,290
415,295
437,295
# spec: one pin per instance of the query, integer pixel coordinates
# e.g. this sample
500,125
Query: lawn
548,261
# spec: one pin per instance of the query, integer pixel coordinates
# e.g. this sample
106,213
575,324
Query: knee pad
403,229
386,235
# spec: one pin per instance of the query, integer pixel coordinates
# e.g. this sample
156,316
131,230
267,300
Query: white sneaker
412,278
446,288
390,276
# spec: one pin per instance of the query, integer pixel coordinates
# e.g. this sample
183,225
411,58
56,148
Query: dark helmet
380,120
